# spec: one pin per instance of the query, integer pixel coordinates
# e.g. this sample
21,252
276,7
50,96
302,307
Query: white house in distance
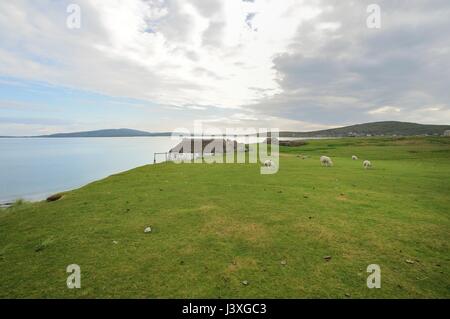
447,133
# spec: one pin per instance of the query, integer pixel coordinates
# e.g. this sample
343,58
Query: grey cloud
176,26
214,34
338,76
205,72
208,8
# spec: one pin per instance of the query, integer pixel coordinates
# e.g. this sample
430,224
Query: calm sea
33,168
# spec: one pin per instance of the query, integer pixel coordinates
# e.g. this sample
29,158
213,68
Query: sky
162,65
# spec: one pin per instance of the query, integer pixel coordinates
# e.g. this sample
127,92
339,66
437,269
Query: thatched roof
199,145
291,143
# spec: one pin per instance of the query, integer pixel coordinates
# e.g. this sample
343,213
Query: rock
148,230
245,283
54,198
327,258
347,295
115,242
409,261
283,262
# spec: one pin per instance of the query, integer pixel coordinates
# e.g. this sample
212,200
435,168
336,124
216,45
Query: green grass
216,225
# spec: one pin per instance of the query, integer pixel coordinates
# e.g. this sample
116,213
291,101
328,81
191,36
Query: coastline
41,193
55,165
38,197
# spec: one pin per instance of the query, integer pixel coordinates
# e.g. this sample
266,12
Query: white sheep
367,164
268,163
354,157
326,161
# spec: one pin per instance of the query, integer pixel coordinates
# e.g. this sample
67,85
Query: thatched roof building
291,143
207,146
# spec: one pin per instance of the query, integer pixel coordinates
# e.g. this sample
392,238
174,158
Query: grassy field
215,226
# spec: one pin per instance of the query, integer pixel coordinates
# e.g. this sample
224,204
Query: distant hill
123,132
390,128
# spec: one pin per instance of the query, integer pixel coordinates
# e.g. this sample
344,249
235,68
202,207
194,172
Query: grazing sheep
367,164
326,161
354,157
268,163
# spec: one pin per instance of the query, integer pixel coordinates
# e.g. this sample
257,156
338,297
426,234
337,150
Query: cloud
339,71
168,52
385,110
312,63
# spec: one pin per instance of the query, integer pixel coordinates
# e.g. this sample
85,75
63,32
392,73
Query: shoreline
34,198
